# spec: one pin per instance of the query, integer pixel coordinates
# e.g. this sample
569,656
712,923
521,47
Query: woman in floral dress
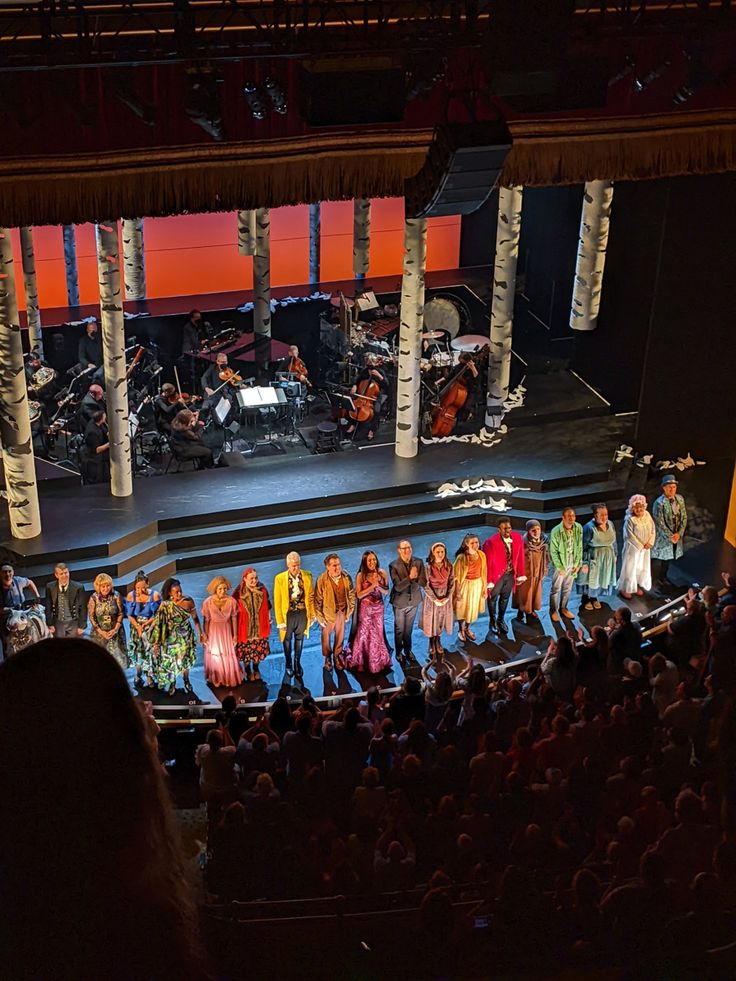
172,637
105,612
369,650
141,604
254,623
220,617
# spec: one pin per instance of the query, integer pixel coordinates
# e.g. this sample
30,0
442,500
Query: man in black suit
407,578
66,604
92,403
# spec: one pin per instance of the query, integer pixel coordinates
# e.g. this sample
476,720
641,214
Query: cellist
370,379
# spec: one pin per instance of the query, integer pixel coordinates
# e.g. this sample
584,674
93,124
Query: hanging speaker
462,167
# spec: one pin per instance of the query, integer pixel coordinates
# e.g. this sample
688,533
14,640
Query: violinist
296,367
371,385
165,407
186,439
213,379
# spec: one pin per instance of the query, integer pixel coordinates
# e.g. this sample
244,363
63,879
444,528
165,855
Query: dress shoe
171,689
492,628
188,686
502,628
567,613
412,660
328,664
519,616
555,617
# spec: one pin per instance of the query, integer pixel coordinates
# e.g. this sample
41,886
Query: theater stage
195,524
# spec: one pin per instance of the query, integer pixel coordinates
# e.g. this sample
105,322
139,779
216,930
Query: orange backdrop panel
197,254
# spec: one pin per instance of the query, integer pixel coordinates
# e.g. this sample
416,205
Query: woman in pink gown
369,650
220,616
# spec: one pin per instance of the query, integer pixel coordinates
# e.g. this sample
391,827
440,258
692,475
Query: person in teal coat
670,521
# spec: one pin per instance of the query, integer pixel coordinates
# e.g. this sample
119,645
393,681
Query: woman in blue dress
141,604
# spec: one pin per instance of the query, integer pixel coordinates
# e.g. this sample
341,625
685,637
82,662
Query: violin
228,375
184,397
297,367
452,399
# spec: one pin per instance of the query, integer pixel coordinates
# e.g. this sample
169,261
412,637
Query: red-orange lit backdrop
192,254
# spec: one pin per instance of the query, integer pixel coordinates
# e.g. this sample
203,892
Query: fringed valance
331,167
621,148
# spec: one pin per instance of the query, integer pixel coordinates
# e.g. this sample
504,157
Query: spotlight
640,84
203,104
255,104
682,95
276,94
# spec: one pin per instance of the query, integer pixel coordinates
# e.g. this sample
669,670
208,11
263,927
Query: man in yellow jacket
293,605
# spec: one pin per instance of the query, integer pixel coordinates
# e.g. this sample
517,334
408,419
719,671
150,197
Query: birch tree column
70,263
113,358
262,287
508,229
315,243
361,237
33,314
15,421
410,337
246,232
591,261
134,259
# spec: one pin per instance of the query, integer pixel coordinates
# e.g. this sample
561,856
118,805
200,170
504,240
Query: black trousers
65,628
403,626
296,624
498,598
661,566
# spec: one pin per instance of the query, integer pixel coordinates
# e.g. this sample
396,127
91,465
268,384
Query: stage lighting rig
255,103
276,96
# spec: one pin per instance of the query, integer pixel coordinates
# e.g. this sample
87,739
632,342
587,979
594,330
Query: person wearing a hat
670,520
528,596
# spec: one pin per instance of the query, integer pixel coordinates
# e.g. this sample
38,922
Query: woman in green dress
105,612
173,641
600,553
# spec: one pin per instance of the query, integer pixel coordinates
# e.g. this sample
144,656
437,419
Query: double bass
452,398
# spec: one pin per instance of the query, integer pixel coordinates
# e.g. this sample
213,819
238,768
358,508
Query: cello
364,400
452,398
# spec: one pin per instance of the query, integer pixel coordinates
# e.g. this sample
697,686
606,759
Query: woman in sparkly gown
369,650
105,612
220,618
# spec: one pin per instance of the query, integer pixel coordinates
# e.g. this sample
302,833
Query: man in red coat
504,553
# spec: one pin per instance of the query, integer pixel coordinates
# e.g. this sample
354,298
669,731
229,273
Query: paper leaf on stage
482,486
486,503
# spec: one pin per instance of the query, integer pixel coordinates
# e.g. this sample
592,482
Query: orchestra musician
96,450
371,383
186,439
165,407
194,331
211,381
93,402
296,366
89,351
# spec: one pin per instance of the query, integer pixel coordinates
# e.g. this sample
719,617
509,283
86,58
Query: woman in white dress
639,535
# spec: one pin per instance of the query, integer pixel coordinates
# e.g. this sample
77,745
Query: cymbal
469,342
432,335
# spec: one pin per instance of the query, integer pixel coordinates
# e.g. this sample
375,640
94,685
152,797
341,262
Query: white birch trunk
262,274
30,286
361,236
15,421
70,262
410,337
113,357
246,232
508,229
594,221
315,241
134,259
